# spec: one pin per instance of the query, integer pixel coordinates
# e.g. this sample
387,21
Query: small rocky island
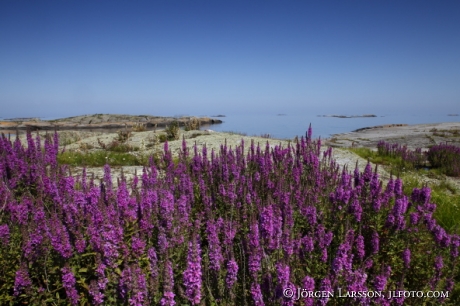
100,121
352,116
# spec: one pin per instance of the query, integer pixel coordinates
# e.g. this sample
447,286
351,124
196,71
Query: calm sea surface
289,126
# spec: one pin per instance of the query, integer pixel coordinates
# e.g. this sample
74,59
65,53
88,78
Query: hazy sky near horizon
65,58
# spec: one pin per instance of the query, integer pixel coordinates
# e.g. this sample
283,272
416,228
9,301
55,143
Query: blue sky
64,58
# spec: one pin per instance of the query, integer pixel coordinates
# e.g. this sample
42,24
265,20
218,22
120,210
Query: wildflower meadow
216,228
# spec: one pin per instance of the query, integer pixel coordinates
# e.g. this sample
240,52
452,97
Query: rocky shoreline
413,136
100,121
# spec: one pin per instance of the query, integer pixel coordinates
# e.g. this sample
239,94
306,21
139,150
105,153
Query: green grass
390,163
100,158
235,133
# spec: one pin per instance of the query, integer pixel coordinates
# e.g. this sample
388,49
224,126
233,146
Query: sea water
290,125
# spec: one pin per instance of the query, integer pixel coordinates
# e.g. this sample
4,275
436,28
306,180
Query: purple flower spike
168,295
21,281
192,275
257,294
232,273
406,258
68,282
4,234
360,247
375,243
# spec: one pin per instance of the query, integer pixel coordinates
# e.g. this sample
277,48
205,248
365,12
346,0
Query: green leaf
83,270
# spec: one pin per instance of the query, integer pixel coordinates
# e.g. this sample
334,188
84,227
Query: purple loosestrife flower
102,279
406,258
310,214
327,288
266,223
367,174
438,265
215,253
125,203
356,209
98,297
59,237
139,292
449,284
167,209
429,221
380,282
455,243
375,243
163,243
425,195
360,247
400,206
308,283
230,232
192,274
20,212
283,274
377,202
324,255
414,218
68,282
343,259
320,235
80,243
398,190
375,185
107,177
232,273
441,236
153,260
138,246
356,281
308,244
254,250
112,240
33,243
168,295
4,234
21,281
183,209
288,244
257,296
126,283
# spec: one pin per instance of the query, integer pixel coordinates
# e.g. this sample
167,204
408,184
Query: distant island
353,116
100,121
218,116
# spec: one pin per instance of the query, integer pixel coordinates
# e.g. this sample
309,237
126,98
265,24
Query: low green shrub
100,158
173,131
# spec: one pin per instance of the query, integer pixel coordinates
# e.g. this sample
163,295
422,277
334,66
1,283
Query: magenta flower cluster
232,227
